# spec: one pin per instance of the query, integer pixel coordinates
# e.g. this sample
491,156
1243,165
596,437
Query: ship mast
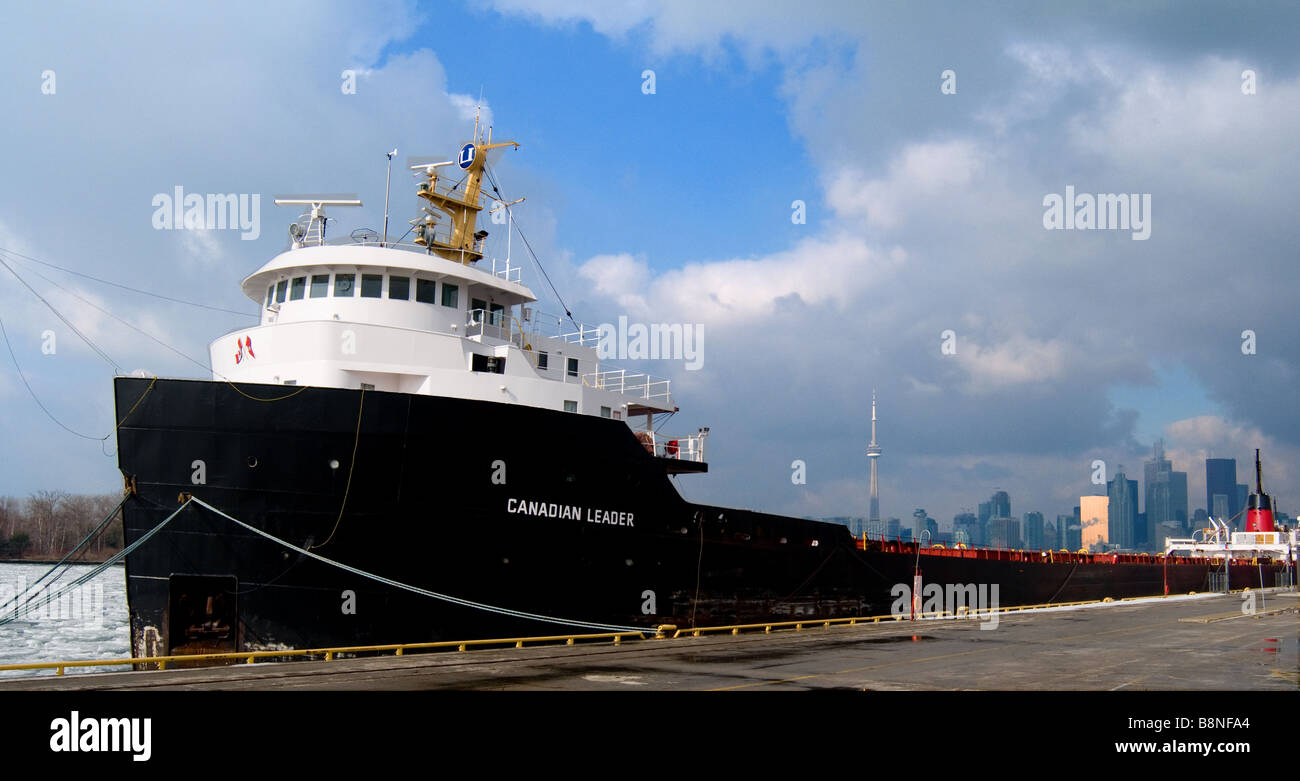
460,201
873,452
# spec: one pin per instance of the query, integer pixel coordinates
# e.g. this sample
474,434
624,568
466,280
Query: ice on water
80,626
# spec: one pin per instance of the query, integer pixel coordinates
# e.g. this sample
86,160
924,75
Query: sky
842,196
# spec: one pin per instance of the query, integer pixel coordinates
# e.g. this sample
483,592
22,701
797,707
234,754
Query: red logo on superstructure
245,345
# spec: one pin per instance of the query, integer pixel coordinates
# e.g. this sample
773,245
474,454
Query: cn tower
873,452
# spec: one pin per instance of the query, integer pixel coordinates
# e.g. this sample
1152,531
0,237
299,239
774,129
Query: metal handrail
620,381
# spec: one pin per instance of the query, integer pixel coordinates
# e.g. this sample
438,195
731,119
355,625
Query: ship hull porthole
252,462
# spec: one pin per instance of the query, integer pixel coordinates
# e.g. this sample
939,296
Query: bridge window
497,314
488,363
343,284
573,367
399,287
270,294
298,289
320,285
605,412
425,290
372,285
450,295
570,406
281,288
541,360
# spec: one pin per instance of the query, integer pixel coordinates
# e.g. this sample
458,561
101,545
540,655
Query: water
88,623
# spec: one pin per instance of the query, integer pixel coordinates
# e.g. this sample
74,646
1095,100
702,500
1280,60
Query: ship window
479,304
570,406
343,285
372,285
450,295
424,291
573,367
270,294
488,363
497,315
618,415
281,288
605,412
290,382
399,287
320,285
541,360
298,289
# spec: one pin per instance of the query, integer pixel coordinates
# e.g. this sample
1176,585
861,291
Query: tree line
48,524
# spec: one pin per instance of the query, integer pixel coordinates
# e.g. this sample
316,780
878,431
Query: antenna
387,180
317,204
510,216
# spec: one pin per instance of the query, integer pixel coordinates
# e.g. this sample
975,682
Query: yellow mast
460,203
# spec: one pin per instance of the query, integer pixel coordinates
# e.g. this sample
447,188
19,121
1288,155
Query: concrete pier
1206,642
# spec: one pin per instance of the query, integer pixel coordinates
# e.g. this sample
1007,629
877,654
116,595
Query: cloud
918,178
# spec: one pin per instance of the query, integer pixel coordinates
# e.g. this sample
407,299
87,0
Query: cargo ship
404,449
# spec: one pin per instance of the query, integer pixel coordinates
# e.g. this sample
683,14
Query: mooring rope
416,589
26,607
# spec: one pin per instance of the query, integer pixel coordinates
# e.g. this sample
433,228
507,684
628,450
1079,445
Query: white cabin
421,318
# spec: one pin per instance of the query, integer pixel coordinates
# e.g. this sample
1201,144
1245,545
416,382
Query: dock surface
1197,643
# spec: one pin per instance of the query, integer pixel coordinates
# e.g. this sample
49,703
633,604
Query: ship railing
681,448
496,325
586,336
643,386
370,239
503,269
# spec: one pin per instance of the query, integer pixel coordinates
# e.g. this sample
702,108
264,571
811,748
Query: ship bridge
430,316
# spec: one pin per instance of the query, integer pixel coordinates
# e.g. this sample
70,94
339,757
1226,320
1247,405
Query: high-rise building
1000,504
1221,487
1155,487
1034,531
892,528
1123,511
1178,499
1067,530
1094,520
873,455
1239,507
967,524
1004,533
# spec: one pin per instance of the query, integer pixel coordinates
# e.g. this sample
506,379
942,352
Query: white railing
640,385
687,448
585,336
498,325
503,269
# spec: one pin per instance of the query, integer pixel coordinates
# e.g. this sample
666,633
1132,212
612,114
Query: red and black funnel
1259,508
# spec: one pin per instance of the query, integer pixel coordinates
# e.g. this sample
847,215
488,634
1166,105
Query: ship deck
1178,643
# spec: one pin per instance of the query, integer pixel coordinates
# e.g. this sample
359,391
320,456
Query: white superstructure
424,318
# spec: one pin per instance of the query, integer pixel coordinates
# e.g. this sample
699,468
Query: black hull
426,506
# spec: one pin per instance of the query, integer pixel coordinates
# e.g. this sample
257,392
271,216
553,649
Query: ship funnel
1259,508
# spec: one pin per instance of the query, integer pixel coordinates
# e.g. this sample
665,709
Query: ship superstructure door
202,614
